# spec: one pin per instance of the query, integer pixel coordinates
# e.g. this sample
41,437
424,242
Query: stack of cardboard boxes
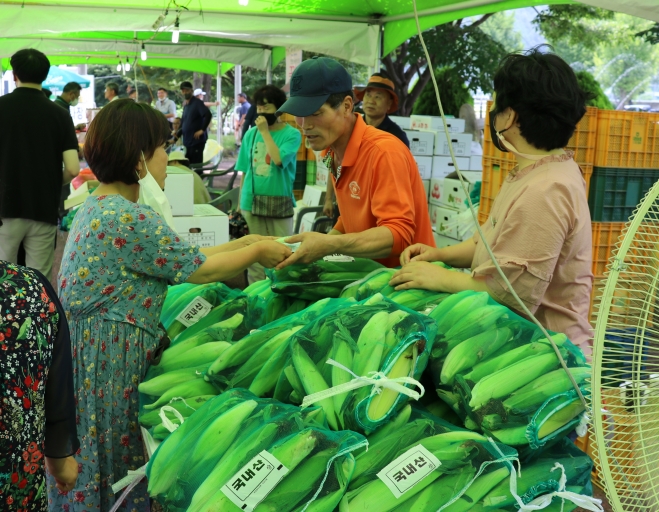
446,197
199,224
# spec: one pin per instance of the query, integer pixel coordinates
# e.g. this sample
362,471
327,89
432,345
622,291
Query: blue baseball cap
312,82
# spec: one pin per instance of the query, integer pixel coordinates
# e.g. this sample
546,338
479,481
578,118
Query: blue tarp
57,78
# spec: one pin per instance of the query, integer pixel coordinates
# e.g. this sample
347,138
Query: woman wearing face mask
120,256
539,227
267,159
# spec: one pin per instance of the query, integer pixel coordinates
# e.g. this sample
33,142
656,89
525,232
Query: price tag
195,311
408,470
340,258
420,122
254,481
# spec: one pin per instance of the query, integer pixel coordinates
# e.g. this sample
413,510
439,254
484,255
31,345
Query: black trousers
194,154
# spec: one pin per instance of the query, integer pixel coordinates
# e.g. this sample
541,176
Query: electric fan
625,385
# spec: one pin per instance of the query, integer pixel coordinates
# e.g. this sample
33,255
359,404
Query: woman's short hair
271,95
543,91
118,136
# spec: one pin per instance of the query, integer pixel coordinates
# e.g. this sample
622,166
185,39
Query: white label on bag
408,470
195,311
340,258
254,481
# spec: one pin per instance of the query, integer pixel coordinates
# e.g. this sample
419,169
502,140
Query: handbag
278,207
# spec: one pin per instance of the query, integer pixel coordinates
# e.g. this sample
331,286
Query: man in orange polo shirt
378,187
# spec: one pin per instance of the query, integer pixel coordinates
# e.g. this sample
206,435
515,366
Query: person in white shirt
165,105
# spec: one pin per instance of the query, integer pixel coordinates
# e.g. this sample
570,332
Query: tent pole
237,89
220,124
2,81
268,70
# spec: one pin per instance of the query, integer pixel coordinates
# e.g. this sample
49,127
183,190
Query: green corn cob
512,436
169,311
215,319
471,424
211,292
163,383
329,501
451,310
370,344
312,381
496,422
440,492
553,383
266,379
257,287
244,376
283,387
201,355
162,474
350,277
471,351
391,338
231,462
342,353
215,440
454,449
515,376
554,421
188,389
477,490
185,407
295,381
392,426
452,399
507,358
160,432
375,299
475,322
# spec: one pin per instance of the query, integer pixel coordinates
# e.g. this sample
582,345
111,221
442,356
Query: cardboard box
435,123
179,189
445,221
403,122
436,191
424,163
461,144
426,187
322,172
476,163
206,228
442,241
314,195
421,143
77,196
442,166
453,195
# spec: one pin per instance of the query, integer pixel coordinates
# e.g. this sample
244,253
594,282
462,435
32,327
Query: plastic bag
257,360
499,373
186,306
421,463
374,340
369,285
322,278
267,306
243,452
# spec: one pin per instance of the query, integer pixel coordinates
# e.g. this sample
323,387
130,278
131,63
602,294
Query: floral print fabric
118,260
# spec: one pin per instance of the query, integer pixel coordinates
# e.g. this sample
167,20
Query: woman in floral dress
119,258
37,409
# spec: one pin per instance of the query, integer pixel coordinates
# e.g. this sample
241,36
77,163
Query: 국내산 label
195,311
254,481
408,470
341,258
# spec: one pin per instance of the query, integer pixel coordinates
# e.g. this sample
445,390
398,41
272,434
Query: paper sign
293,60
420,123
254,481
195,311
340,258
408,470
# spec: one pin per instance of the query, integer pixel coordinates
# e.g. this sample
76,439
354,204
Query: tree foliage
472,55
571,24
591,86
452,92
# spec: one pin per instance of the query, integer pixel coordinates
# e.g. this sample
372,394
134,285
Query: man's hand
262,124
421,274
419,252
198,134
328,209
270,253
64,471
313,247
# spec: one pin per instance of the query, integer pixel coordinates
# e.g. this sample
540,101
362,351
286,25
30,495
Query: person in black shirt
31,157
378,99
69,98
194,122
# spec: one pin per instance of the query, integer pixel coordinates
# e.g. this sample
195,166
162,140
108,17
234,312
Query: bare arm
234,245
329,198
271,147
71,165
459,255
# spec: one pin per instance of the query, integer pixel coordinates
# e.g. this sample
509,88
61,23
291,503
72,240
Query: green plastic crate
615,193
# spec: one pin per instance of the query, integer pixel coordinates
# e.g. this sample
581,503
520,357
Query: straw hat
379,82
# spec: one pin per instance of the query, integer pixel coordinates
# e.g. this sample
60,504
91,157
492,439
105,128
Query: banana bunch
461,453
372,336
181,296
320,279
229,431
257,361
273,306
